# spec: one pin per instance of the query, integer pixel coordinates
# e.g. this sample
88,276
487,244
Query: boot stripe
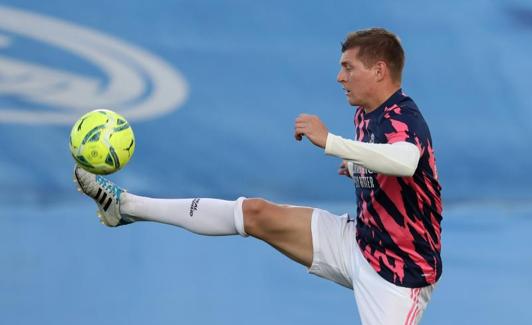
98,194
103,198
107,204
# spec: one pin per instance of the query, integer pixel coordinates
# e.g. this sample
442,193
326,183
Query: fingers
301,117
305,118
298,136
303,124
300,126
299,130
343,170
311,127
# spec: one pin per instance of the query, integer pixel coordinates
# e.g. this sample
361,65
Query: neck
380,98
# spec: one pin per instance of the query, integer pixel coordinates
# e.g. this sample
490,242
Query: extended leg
286,228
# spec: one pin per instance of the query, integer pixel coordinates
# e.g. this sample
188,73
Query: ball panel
102,141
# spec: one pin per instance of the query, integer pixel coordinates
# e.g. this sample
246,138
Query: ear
380,70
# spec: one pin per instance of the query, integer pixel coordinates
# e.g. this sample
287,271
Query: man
391,255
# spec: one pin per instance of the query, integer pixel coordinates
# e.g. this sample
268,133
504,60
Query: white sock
202,216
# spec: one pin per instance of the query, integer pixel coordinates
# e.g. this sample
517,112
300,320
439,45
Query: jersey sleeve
403,124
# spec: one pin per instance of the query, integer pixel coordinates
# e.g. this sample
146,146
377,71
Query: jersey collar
395,98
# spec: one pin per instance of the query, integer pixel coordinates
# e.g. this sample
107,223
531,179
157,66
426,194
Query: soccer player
390,254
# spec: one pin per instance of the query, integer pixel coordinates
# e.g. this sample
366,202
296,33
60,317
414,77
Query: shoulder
404,110
404,104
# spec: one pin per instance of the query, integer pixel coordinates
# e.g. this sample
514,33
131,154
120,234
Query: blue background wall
251,68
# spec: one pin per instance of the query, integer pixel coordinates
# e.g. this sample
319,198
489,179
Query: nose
341,76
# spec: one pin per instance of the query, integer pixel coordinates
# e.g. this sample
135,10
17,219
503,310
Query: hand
344,171
313,128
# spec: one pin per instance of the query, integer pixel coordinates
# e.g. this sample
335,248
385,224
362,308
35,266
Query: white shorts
338,258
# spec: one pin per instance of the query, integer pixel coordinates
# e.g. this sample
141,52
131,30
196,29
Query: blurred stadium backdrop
211,89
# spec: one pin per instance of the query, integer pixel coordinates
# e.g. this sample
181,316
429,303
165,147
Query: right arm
397,159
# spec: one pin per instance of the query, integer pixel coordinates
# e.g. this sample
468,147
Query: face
357,81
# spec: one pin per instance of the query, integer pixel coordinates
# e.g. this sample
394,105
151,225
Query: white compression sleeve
397,159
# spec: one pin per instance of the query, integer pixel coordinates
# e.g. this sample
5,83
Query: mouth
347,91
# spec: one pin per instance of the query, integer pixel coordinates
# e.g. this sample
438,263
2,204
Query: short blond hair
377,44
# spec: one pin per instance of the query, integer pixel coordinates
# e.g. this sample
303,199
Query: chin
353,103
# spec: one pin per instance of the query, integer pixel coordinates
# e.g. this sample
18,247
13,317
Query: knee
254,206
255,216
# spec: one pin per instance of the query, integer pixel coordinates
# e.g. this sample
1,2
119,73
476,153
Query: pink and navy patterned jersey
398,218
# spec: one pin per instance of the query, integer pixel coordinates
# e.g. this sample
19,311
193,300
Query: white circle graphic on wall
115,75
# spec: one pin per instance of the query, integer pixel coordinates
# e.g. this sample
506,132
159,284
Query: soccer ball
102,142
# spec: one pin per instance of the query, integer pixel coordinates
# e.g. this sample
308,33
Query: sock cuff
239,217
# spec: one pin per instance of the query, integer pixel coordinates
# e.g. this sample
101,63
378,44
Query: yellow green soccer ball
102,142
